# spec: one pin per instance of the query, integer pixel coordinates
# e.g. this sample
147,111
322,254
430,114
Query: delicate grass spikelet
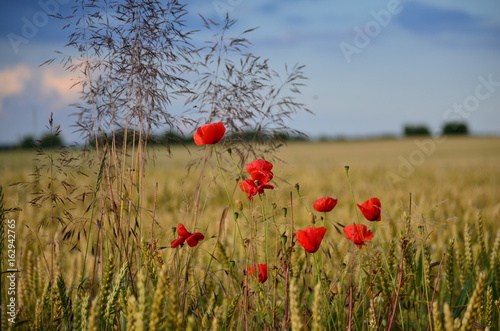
481,236
494,258
427,265
140,322
450,266
150,262
38,316
294,306
159,296
317,314
229,313
208,315
84,310
64,298
93,323
448,318
436,319
469,259
111,301
488,311
105,286
191,323
473,307
131,308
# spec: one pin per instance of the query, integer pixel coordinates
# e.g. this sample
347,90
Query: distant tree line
48,140
176,138
450,128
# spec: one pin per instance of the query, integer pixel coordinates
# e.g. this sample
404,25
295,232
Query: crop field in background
88,259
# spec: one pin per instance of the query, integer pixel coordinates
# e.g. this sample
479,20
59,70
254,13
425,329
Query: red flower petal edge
325,204
371,209
310,238
209,134
184,235
358,234
262,272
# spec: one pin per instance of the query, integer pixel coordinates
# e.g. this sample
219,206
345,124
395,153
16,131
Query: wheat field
93,238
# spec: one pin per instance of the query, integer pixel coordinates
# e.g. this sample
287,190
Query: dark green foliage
416,130
455,128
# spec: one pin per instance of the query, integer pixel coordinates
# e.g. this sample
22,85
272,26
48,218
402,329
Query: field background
454,185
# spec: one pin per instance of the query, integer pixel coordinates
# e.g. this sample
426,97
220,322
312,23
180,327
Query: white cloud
14,81
57,84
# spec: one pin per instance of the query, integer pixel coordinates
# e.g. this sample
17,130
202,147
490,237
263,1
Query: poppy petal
193,239
182,232
177,242
209,134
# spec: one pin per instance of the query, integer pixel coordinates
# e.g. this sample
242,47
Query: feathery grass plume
448,318
112,299
158,299
93,324
317,311
64,299
473,307
488,310
450,267
295,319
436,319
131,308
140,314
107,279
469,259
150,262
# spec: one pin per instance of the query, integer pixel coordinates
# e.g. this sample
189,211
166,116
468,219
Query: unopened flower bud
239,205
236,215
285,211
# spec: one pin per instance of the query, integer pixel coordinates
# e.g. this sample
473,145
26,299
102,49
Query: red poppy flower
310,238
260,170
371,209
250,187
358,234
184,235
325,204
209,134
262,272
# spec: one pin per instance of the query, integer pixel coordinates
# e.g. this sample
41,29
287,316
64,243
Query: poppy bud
236,215
238,204
285,211
284,239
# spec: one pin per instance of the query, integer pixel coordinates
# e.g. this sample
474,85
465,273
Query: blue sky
372,66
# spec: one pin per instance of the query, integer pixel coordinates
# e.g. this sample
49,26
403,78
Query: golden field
91,241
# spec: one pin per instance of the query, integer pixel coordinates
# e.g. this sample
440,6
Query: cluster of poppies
310,238
261,174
